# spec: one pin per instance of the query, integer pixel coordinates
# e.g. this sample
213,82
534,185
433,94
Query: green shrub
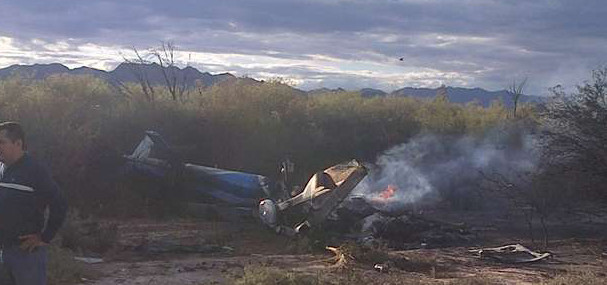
81,126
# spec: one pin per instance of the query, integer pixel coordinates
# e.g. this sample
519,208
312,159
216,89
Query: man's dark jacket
26,190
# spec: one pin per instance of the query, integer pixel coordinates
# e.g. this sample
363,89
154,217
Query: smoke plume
438,167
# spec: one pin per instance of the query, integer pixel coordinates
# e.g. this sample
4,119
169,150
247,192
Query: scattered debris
381,267
341,259
406,231
515,253
89,260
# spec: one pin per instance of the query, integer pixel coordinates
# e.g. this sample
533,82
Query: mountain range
130,72
124,72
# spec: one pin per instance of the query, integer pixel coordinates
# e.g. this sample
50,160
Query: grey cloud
540,38
275,16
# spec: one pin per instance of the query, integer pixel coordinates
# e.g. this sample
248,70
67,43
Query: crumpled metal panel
153,157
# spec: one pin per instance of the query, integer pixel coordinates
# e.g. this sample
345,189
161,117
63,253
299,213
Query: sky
311,44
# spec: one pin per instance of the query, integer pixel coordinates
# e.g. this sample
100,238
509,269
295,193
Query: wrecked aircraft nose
322,194
267,212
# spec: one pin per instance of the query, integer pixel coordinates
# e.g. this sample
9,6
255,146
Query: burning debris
412,231
420,174
431,167
388,193
380,217
407,230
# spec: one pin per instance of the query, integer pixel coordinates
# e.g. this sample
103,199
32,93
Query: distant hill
455,94
325,91
365,92
36,71
370,92
466,95
128,72
125,72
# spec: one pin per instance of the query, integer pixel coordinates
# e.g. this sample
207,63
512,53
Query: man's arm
48,194
56,204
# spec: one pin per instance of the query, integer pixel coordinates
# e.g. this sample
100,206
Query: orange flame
389,192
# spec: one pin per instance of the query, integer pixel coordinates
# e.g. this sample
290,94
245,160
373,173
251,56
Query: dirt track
245,246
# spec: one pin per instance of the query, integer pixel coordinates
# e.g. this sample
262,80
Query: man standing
26,191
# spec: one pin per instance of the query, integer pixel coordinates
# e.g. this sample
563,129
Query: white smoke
447,167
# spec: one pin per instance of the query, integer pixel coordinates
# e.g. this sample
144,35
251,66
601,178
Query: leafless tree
136,65
516,194
165,56
516,89
531,194
441,94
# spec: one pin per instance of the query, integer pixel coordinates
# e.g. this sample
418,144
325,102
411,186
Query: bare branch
140,75
517,92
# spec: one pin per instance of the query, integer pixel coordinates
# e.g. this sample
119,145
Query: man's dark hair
14,132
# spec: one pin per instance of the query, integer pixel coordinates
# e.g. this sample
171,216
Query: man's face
10,151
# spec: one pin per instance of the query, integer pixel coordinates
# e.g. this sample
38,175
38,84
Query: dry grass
581,277
369,256
349,275
477,280
419,263
85,236
363,254
254,275
63,269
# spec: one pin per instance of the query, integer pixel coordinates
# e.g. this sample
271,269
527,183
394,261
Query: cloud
484,43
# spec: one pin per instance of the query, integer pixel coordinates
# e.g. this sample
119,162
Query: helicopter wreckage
325,201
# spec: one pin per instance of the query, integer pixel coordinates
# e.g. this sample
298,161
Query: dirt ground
168,252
